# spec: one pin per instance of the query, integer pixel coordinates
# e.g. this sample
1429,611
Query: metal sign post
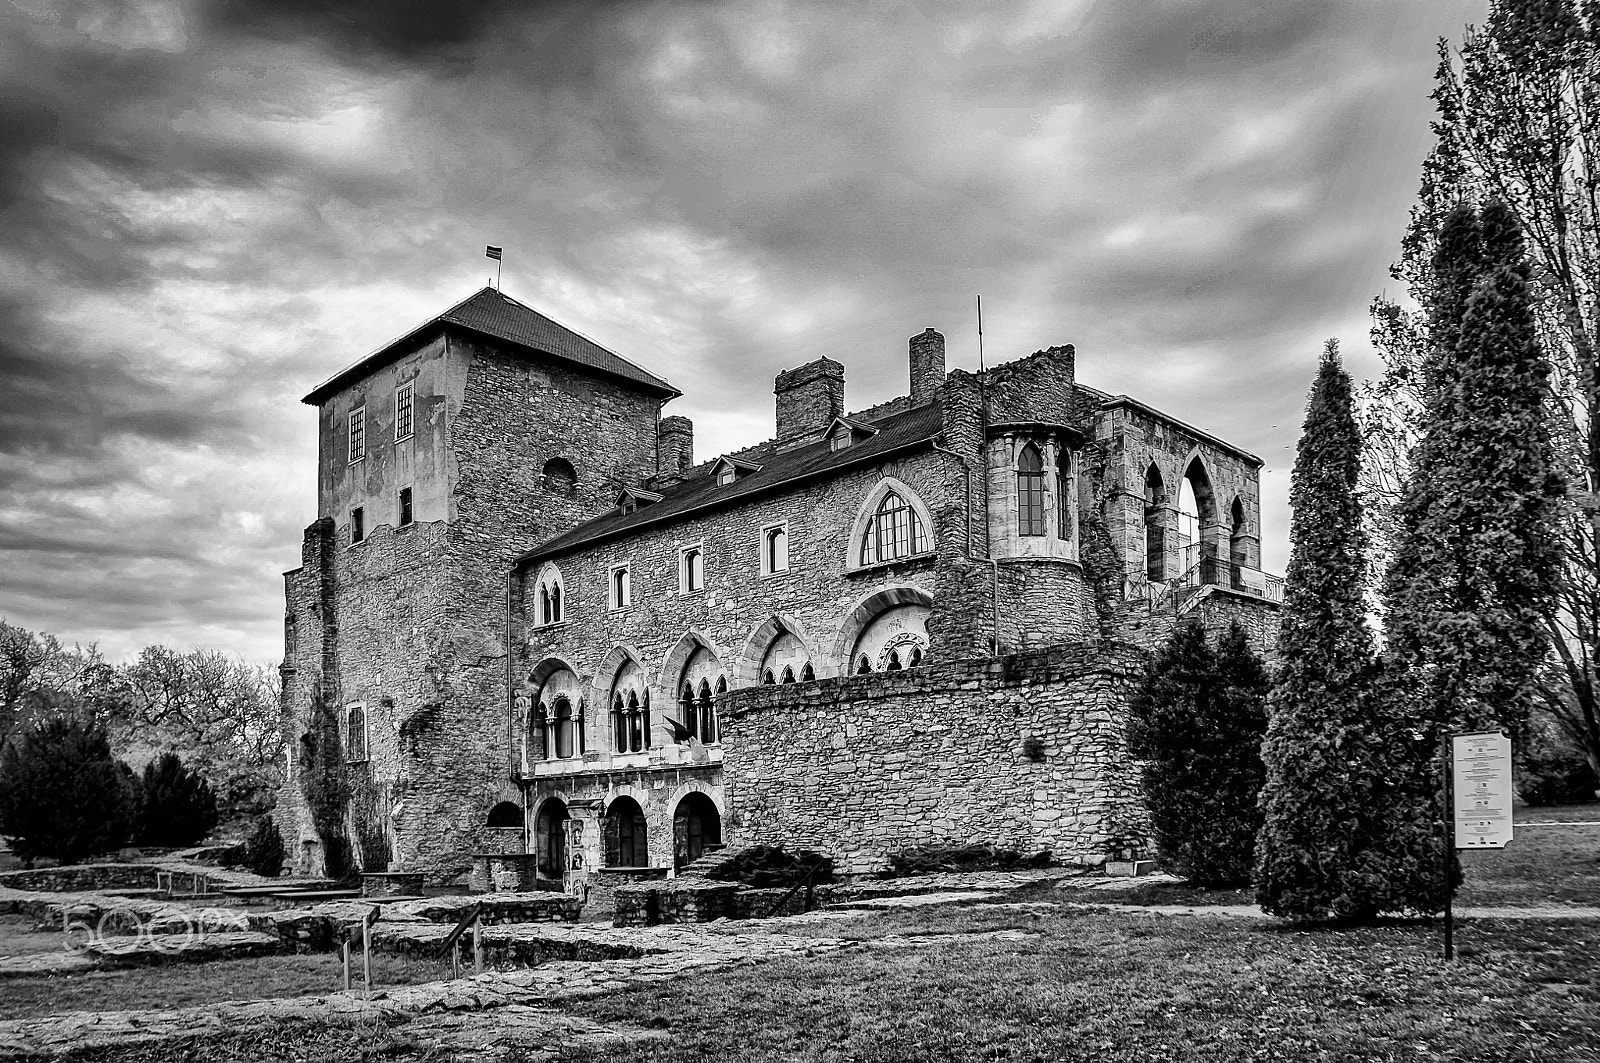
1477,782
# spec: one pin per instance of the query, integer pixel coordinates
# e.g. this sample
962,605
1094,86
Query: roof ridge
569,328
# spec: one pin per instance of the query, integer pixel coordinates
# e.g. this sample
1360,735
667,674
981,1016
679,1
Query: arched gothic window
1030,491
893,532
1155,530
893,664
769,679
788,675
564,729
863,665
630,711
549,605
555,725
808,674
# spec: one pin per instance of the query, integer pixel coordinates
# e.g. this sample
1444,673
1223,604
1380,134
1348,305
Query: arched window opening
630,711
775,550
627,844
696,828
887,641
808,674
916,656
1155,532
550,838
548,602
1064,502
691,570
505,816
1030,491
768,679
1188,527
560,476
863,665
893,532
555,724
894,662
788,675
1197,518
563,727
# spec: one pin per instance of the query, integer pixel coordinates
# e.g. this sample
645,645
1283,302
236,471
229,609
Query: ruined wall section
1025,752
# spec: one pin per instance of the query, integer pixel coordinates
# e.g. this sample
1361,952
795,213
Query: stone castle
551,632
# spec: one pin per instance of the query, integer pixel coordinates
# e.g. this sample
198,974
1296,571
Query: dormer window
727,469
845,432
629,499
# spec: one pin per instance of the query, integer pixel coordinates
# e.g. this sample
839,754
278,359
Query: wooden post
344,951
366,958
477,945
455,960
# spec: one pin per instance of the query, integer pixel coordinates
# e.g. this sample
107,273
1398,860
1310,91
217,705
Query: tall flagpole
980,333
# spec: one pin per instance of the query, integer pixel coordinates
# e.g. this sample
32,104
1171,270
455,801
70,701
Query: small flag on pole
492,252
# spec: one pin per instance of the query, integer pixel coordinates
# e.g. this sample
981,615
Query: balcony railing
1201,571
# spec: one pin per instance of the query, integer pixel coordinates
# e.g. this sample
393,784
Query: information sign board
1481,784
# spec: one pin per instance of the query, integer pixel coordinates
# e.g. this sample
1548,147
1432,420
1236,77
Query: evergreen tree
179,806
1332,844
264,852
61,793
1477,555
1196,721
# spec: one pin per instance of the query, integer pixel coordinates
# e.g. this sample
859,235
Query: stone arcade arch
627,838
696,827
551,712
550,838
778,642
1155,525
885,623
621,673
1199,526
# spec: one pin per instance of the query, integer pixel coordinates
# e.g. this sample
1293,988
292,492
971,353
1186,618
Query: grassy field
180,985
1063,985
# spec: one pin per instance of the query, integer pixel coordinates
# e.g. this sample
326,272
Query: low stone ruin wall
77,878
1025,752
702,900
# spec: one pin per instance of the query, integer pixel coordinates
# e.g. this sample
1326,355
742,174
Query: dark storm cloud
214,206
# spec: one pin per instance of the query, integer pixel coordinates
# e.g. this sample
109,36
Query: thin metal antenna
980,333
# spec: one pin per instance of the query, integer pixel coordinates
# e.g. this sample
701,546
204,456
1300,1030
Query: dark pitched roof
779,468
492,313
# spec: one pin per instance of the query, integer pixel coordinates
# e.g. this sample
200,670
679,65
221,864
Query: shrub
179,806
1557,777
263,851
61,793
935,857
767,866
1196,721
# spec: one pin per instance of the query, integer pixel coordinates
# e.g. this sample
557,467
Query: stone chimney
674,448
810,396
927,364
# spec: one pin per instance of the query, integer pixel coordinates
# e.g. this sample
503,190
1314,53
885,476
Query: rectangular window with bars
358,434
403,419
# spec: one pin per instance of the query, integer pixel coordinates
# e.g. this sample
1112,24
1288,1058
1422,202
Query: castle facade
549,629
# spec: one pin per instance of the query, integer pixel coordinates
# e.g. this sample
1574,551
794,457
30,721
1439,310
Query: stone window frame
867,514
358,525
351,708
685,587
619,593
405,399
550,594
1031,505
356,437
768,570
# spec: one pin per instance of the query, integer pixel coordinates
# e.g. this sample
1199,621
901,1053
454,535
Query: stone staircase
709,861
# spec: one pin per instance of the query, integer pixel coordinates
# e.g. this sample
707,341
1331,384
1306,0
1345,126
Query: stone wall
860,767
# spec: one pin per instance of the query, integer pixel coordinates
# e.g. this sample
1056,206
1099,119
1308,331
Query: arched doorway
627,841
696,826
550,838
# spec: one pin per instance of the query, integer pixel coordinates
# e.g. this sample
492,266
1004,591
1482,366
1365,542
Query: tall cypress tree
1324,851
1477,556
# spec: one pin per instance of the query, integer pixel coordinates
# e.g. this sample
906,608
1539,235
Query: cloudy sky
210,207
